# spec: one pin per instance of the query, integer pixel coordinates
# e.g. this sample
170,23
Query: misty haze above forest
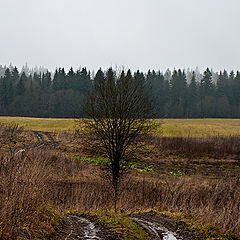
138,34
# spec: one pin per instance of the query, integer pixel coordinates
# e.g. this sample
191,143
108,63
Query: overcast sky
138,34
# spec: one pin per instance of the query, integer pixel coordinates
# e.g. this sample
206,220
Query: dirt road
162,228
82,227
159,227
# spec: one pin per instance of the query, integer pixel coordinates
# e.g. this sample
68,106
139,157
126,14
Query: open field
201,127
170,127
41,124
188,183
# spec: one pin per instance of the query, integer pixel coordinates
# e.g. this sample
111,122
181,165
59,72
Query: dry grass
32,182
25,212
29,182
41,124
199,127
215,204
12,135
170,127
197,147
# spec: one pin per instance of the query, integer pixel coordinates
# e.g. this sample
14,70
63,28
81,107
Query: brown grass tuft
24,209
214,203
194,147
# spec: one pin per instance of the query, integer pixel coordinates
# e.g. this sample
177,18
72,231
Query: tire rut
76,227
156,231
161,227
41,143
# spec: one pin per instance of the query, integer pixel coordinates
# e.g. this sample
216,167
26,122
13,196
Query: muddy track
159,227
76,227
42,142
162,228
156,230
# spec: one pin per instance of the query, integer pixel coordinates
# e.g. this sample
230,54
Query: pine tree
207,87
59,80
220,85
46,81
3,93
193,97
55,83
207,95
71,79
236,94
156,81
99,77
6,89
84,83
15,76
178,94
9,86
20,88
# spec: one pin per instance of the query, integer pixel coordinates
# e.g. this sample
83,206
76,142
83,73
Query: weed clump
24,210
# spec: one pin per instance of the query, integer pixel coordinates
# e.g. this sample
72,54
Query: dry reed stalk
217,203
209,146
24,209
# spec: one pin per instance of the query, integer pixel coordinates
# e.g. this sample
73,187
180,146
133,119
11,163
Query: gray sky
139,34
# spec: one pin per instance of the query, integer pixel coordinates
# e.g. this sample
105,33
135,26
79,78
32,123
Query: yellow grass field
200,127
168,128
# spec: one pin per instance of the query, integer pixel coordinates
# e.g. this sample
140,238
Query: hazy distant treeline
176,94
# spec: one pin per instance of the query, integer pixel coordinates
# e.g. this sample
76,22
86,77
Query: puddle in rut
158,231
89,229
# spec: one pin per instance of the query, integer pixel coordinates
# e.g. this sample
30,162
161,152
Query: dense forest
176,94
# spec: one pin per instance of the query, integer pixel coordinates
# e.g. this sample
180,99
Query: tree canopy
177,94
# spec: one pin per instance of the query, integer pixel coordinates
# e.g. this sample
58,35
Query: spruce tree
20,88
207,86
193,97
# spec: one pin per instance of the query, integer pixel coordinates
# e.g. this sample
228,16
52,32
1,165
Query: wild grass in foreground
32,183
25,212
215,204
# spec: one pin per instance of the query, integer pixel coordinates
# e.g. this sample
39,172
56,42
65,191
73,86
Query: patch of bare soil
161,227
76,227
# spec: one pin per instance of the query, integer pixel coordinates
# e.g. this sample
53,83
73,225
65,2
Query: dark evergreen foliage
177,94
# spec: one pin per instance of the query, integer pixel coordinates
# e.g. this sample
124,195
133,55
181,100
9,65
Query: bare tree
118,110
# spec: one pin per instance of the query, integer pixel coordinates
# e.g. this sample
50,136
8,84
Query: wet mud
76,227
161,227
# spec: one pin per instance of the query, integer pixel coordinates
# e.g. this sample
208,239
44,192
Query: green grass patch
131,164
122,226
92,160
51,222
146,169
175,174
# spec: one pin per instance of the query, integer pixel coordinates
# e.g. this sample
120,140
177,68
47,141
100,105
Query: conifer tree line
176,94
